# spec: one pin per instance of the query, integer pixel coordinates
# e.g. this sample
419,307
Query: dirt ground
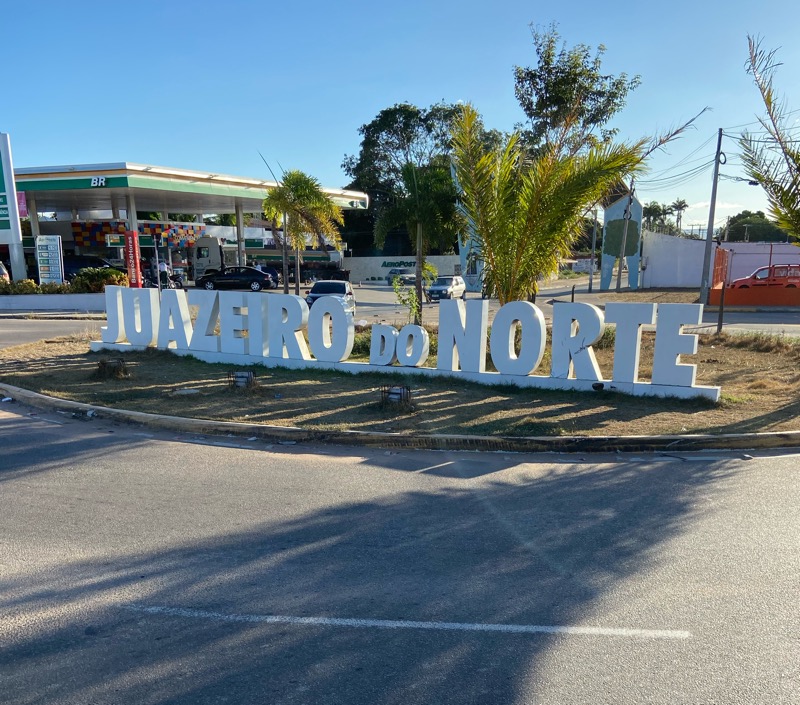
759,377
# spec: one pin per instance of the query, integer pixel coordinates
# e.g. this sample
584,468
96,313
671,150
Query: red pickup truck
777,275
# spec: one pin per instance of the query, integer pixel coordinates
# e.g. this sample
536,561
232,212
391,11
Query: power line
757,122
768,141
677,179
684,160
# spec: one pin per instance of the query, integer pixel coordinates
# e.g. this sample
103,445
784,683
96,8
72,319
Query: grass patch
760,383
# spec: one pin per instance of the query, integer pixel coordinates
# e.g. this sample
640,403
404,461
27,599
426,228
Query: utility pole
627,218
594,247
710,232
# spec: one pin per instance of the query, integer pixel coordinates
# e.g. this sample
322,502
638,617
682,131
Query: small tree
304,209
426,205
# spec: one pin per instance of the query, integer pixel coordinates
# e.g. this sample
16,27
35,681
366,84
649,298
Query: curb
54,315
373,439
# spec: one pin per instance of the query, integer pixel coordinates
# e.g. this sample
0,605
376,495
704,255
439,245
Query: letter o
533,338
413,345
329,313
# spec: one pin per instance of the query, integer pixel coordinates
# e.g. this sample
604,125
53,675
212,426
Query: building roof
98,187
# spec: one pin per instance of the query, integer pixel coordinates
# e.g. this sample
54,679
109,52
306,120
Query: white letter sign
271,329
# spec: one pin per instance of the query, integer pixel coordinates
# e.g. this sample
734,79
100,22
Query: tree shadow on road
538,548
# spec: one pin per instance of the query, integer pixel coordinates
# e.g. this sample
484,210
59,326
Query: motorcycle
168,281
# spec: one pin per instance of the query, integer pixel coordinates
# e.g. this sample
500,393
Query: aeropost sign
279,330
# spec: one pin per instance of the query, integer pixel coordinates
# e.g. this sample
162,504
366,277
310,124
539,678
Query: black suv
74,263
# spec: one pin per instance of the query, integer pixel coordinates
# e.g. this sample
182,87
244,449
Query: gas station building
92,205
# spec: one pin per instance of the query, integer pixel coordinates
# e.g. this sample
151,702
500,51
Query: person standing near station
163,272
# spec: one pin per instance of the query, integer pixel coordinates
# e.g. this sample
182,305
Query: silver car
341,290
447,288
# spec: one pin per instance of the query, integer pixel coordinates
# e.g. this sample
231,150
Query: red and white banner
133,259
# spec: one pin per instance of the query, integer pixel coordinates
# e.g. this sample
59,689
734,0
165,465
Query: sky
209,85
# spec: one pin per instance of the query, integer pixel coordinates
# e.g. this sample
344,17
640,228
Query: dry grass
758,375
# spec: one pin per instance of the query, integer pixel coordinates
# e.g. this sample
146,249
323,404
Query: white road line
403,624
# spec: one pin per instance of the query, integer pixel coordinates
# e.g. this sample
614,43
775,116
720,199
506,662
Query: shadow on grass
323,400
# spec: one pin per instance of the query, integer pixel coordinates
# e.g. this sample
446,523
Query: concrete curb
529,444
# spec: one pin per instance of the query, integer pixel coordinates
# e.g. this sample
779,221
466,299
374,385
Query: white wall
678,262
671,262
362,268
53,302
746,257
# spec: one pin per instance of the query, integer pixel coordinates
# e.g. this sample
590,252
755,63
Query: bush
23,286
53,288
361,342
93,280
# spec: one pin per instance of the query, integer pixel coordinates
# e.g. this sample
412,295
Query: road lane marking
406,624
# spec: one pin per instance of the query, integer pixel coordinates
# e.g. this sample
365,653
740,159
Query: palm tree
651,212
678,206
773,161
425,202
525,214
304,209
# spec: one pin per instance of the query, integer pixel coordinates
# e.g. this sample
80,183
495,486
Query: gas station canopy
89,188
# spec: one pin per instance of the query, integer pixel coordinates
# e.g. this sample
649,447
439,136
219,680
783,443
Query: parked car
4,273
406,276
75,263
341,290
777,275
237,278
447,288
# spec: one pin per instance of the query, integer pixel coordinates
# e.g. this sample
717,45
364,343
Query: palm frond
525,214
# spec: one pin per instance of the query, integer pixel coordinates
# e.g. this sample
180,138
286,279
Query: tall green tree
754,227
773,158
567,87
228,219
399,135
425,202
525,213
304,210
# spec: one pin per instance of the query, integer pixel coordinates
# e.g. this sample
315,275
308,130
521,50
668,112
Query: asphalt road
15,331
377,304
141,568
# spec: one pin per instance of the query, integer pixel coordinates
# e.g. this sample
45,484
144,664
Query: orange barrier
755,296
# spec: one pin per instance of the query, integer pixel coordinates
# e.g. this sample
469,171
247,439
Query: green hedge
87,281
93,280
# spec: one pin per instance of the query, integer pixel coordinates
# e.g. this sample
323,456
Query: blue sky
207,85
